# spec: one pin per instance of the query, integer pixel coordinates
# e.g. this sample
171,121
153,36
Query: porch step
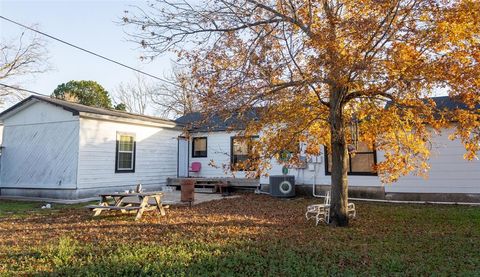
205,190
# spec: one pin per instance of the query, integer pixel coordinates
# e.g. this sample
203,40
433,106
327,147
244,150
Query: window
360,163
243,156
199,147
125,158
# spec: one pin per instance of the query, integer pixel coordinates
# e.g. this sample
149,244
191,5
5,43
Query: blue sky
89,24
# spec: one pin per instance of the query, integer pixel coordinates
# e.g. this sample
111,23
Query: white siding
315,174
449,172
156,154
218,151
40,148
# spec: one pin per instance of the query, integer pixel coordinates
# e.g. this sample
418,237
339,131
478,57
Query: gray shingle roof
76,109
199,122
444,103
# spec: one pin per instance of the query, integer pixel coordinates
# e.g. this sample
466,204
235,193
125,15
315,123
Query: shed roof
77,109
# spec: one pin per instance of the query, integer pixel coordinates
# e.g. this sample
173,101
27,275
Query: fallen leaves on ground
248,235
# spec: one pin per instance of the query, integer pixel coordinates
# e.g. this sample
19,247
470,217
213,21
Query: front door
182,157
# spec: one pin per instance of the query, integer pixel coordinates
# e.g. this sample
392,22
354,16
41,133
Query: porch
202,183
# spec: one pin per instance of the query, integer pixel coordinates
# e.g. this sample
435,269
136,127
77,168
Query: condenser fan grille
282,185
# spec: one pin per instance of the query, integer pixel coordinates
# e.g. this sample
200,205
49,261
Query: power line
85,50
22,89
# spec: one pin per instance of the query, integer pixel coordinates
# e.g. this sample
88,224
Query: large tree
319,67
88,93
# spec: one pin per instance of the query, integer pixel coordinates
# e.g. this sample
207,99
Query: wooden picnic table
120,204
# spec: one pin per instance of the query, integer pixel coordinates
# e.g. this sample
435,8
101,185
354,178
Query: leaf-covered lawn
253,235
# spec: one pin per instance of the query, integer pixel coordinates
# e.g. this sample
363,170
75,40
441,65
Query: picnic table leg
103,202
160,208
143,204
118,202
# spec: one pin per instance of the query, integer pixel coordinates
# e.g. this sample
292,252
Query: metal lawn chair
351,212
321,212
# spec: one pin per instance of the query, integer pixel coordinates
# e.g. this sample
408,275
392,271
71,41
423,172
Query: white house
57,149
451,178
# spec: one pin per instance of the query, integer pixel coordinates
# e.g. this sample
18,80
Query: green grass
248,236
10,207
25,208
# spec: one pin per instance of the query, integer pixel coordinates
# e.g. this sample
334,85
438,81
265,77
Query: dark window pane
240,158
240,147
363,163
199,147
200,144
243,154
363,147
125,160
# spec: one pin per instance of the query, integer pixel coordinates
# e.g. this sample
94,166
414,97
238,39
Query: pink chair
195,167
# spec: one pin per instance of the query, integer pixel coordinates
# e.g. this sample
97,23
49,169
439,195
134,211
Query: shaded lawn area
10,208
253,235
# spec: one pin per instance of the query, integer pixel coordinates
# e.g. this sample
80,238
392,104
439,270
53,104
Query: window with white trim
125,158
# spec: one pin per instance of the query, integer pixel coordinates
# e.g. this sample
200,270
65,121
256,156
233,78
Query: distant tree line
170,99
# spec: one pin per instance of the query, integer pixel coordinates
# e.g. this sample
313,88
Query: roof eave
144,122
17,107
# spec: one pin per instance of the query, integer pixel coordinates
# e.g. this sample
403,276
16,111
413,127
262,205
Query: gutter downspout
315,181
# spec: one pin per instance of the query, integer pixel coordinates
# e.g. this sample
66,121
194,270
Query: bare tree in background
136,96
177,97
20,58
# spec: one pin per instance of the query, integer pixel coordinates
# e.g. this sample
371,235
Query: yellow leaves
402,134
461,24
374,50
405,61
467,130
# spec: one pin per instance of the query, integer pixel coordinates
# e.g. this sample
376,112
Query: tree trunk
339,186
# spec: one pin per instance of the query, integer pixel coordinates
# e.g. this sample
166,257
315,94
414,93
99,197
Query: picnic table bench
120,204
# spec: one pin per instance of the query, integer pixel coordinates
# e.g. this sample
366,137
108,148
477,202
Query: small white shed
58,149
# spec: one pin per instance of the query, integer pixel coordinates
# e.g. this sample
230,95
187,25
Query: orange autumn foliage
314,65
